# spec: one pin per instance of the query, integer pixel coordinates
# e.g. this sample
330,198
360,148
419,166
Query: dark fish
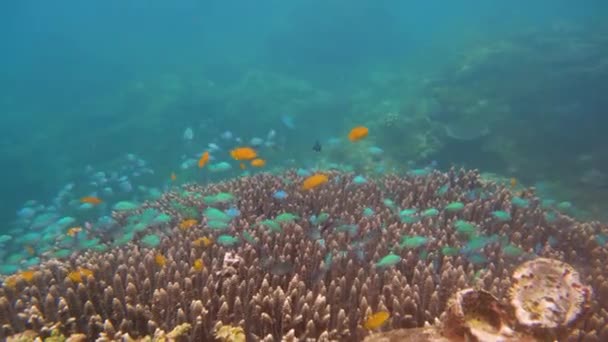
317,146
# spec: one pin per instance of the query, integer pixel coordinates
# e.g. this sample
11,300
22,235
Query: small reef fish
91,200
202,242
288,121
501,215
359,180
388,260
226,135
513,182
454,206
256,142
317,146
74,231
187,224
243,153
198,265
173,176
77,275
160,260
358,133
280,195
258,162
188,134
314,181
376,320
203,160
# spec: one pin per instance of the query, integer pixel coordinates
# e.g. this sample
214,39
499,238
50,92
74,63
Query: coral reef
297,278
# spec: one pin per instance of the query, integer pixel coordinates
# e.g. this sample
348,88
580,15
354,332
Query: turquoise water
99,99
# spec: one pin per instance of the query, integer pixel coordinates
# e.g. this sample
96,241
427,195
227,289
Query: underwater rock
476,315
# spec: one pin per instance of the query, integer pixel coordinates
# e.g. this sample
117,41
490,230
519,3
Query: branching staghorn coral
307,279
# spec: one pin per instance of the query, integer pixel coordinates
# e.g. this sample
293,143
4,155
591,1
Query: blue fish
280,195
232,212
288,121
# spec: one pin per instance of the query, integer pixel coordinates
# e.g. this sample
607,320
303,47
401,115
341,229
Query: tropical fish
160,260
258,162
388,260
317,146
188,134
358,133
280,195
226,135
243,153
359,180
501,215
430,212
443,189
288,121
449,251
314,181
91,200
213,214
465,227
74,231
227,240
375,150
173,176
151,240
286,217
219,167
454,206
198,265
273,225
77,275
202,242
520,202
217,225
513,182
187,224
413,241
203,160
256,142
376,320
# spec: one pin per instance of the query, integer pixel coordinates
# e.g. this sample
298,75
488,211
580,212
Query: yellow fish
376,320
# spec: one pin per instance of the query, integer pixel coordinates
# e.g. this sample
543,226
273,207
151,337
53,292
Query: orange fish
91,200
243,153
258,162
173,176
160,260
76,276
27,275
314,181
513,182
204,159
202,242
242,166
186,224
73,231
358,133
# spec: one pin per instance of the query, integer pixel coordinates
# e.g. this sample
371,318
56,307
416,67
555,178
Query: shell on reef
479,316
547,293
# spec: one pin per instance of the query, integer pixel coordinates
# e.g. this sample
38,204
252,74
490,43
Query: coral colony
332,258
